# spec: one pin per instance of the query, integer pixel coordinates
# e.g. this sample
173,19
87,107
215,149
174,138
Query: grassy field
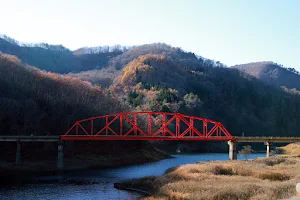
259,179
291,149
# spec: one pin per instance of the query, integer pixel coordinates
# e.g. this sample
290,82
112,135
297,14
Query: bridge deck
268,139
29,138
122,138
59,138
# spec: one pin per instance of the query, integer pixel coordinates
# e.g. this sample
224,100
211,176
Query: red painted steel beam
122,138
217,132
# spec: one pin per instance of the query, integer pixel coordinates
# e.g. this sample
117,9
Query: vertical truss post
204,128
192,127
121,125
164,124
76,128
106,123
177,126
135,124
92,126
149,125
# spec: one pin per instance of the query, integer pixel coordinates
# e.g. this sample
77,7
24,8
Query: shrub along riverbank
259,179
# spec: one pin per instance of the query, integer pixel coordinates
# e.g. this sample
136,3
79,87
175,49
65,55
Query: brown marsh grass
259,179
291,149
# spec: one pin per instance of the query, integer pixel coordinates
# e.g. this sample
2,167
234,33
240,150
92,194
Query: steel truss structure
147,126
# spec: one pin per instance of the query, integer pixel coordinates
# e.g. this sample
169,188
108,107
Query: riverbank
291,149
18,174
263,178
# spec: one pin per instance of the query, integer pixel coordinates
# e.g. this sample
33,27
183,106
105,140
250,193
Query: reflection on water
104,179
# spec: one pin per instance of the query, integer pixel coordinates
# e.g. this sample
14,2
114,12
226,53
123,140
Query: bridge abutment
232,150
18,153
60,156
268,145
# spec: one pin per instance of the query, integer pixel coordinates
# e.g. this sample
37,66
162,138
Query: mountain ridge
159,77
60,59
55,58
272,73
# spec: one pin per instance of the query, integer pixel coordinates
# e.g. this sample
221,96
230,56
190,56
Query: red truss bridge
147,126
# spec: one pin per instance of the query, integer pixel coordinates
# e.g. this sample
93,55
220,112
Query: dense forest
273,74
154,77
57,58
44,103
242,103
164,78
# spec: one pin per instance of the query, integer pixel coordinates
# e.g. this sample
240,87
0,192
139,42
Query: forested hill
154,77
57,58
241,103
274,74
41,103
158,77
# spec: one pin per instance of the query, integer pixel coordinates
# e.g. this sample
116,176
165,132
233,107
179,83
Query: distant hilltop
272,73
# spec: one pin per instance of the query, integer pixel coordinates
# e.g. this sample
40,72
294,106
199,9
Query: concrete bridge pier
232,150
60,156
18,153
268,144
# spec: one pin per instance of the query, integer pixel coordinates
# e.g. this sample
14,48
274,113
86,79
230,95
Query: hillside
273,74
57,58
106,76
42,103
157,77
162,78
243,104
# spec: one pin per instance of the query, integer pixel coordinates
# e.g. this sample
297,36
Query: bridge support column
268,144
232,150
18,153
60,156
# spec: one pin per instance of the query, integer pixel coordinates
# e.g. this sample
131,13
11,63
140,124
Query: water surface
103,189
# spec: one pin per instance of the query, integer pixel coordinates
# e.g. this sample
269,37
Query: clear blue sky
230,31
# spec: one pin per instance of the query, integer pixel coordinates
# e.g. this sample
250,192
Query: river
103,180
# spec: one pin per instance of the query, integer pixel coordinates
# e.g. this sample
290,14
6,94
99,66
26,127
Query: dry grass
297,196
291,149
260,179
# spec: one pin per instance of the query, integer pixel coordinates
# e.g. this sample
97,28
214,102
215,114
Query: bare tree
246,151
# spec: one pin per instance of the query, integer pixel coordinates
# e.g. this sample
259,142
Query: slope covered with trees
175,53
162,78
107,75
43,103
242,103
274,74
57,58
154,77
